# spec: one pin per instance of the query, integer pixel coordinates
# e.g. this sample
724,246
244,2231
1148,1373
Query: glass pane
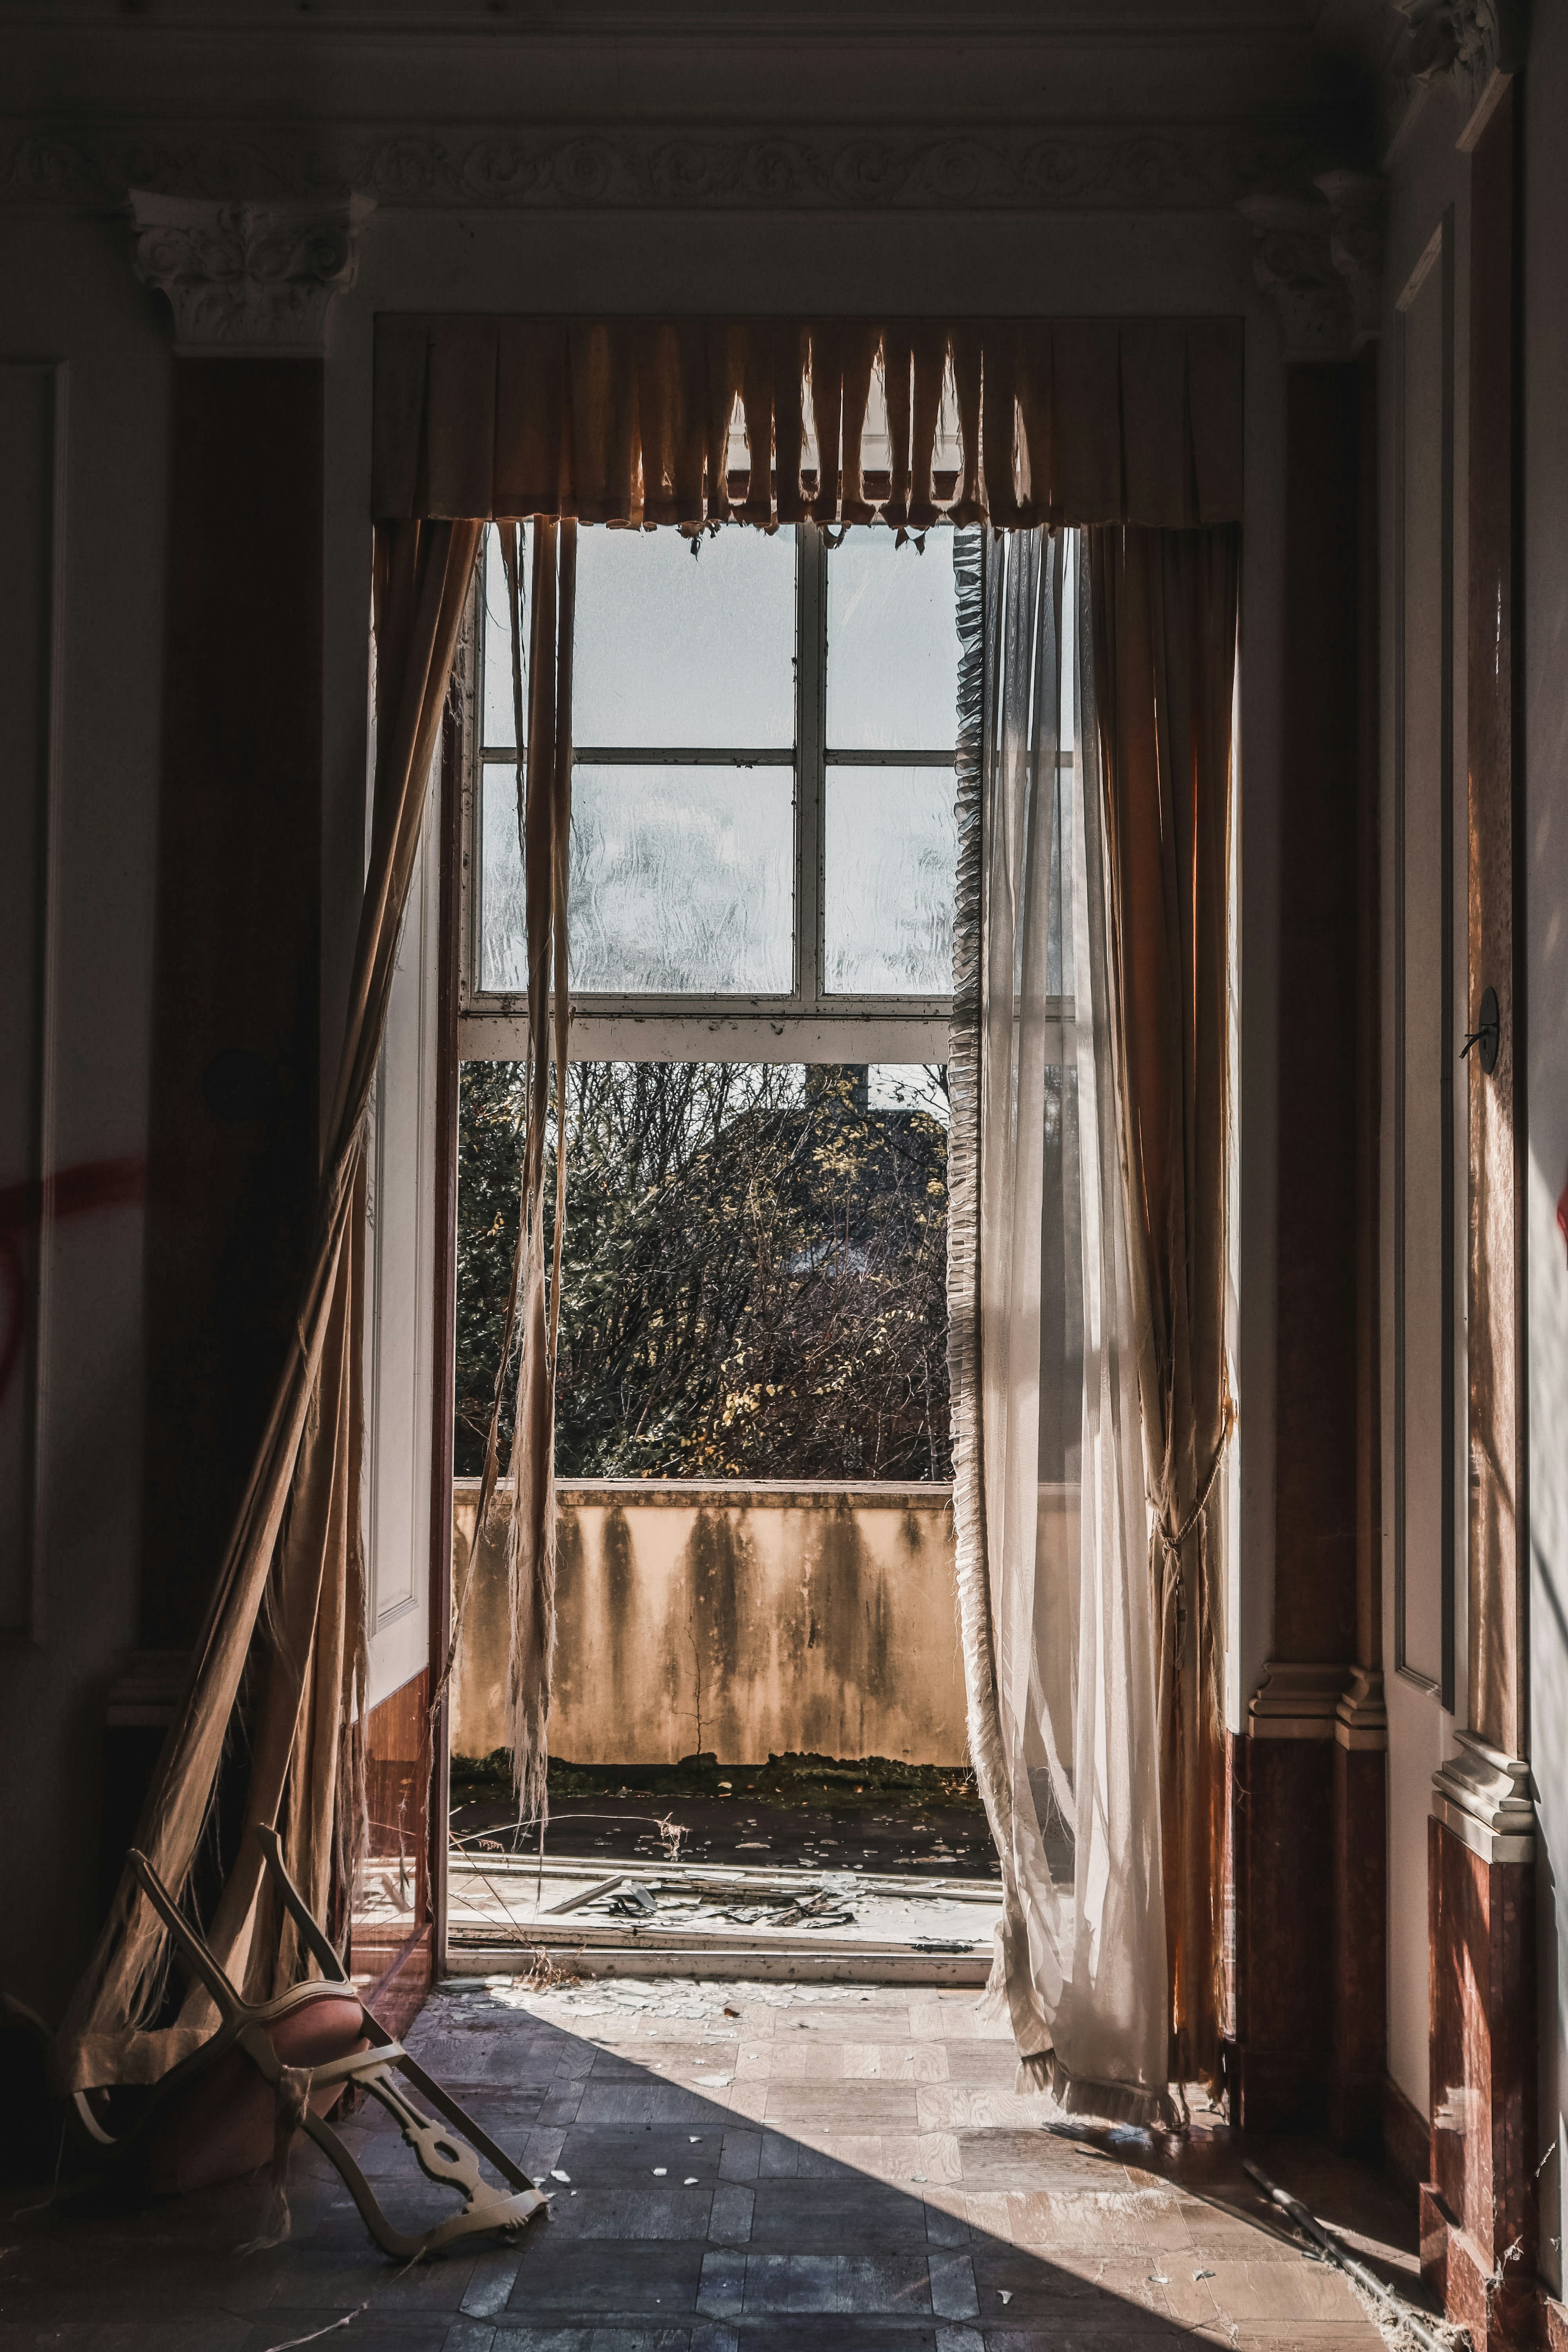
892,643
683,881
498,729
891,856
682,648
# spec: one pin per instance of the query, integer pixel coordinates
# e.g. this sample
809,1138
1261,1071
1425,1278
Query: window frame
808,1025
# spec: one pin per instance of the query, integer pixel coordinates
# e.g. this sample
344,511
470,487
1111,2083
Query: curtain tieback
1171,1542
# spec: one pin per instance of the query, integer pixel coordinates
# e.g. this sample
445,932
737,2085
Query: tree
754,1273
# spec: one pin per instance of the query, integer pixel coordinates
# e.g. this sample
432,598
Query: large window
762,833
761,944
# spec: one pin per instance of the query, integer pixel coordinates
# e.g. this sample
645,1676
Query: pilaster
233,1148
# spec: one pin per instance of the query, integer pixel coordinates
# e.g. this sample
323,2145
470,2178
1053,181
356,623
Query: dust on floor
737,2169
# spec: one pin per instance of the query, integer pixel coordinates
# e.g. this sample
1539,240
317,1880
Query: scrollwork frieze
1040,168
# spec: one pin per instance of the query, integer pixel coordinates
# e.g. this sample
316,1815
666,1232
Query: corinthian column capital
248,279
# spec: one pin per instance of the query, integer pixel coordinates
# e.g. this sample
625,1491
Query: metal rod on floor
1367,2280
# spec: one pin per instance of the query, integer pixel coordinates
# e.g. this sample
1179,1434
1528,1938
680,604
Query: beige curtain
1015,422
543,826
1164,621
295,1550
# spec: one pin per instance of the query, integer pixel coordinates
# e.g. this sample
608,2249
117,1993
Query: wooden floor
847,2169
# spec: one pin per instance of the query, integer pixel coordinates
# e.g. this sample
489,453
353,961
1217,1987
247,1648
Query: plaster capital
249,280
1472,45
1293,262
1355,201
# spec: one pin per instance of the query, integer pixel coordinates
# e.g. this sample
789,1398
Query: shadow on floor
734,2170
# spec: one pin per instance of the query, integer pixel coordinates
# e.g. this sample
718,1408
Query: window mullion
811,732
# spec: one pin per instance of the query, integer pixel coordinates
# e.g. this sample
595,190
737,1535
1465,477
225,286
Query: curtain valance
1013,421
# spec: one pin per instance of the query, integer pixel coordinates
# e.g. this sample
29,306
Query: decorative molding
1296,1701
242,279
1028,168
1320,261
1471,45
1483,1795
1361,1718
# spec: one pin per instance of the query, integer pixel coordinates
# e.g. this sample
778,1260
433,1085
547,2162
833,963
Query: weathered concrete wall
747,1621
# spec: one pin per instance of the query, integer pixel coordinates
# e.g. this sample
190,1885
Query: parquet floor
737,2171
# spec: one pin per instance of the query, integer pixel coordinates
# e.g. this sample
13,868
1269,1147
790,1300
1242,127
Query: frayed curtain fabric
1165,632
1057,1615
544,829
1087,1251
780,420
293,1564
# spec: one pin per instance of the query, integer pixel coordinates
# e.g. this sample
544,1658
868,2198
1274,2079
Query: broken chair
307,2047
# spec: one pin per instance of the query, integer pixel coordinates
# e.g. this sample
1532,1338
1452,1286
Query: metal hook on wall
1487,1033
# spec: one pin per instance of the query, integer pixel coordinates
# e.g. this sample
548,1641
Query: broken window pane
891,853
892,643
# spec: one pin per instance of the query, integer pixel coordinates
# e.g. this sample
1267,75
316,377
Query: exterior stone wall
748,1621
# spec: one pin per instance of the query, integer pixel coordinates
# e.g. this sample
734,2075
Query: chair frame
444,2153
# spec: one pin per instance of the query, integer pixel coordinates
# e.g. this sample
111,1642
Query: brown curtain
293,1560
1164,608
629,420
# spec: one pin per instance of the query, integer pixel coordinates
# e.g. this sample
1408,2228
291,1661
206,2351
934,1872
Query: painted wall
1546,864
750,1622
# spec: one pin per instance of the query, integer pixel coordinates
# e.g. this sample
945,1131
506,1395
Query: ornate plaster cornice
1320,261
1473,46
1023,168
249,277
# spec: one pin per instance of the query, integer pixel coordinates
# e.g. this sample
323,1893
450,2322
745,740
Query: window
762,874
762,833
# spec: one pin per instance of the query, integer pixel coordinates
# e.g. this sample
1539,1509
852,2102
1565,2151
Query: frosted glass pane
892,643
682,882
890,863
675,649
498,729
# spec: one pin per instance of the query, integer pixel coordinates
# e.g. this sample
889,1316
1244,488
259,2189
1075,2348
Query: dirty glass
891,853
681,881
684,649
893,643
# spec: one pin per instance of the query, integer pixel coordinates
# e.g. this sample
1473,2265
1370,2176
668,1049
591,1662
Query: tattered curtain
296,1544
1091,1404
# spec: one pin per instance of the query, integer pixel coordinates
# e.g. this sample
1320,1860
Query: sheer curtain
1057,1606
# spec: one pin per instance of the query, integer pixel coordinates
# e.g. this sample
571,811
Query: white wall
1546,853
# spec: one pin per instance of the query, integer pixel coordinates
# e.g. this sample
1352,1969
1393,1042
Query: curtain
293,1562
768,420
1057,1611
544,829
1164,631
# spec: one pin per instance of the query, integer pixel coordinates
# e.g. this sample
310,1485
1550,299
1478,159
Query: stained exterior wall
748,1621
